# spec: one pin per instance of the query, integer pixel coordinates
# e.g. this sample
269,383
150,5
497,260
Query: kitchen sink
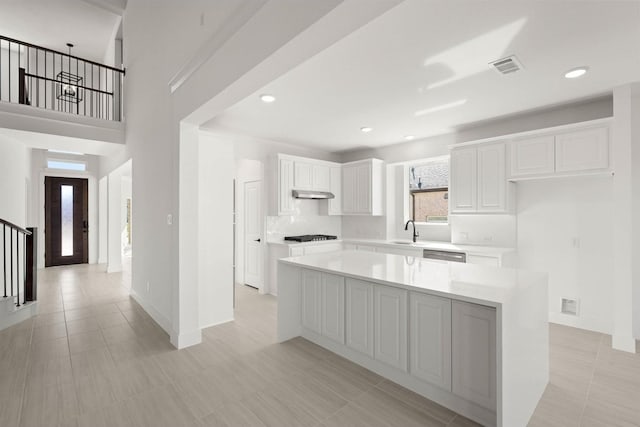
401,242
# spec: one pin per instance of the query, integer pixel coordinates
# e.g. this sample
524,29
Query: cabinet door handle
257,240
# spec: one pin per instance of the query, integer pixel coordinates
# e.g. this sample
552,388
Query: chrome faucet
415,233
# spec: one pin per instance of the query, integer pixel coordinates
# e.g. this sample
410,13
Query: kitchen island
472,338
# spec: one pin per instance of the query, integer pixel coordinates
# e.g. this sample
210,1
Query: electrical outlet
169,219
570,306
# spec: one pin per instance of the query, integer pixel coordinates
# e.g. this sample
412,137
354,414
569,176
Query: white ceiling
422,69
89,25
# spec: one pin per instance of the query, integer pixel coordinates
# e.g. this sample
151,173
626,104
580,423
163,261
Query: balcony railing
45,78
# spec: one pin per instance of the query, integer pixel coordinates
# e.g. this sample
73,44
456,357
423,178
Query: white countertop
296,244
474,283
424,244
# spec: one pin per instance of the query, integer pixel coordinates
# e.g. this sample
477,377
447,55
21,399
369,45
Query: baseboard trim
158,317
579,322
623,343
216,323
186,339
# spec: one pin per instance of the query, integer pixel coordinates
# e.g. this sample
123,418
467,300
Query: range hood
308,194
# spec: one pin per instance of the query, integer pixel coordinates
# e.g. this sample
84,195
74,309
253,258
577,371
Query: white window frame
407,191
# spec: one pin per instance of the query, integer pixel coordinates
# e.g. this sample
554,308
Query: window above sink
428,192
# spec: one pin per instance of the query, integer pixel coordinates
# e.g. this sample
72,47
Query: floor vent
570,306
507,65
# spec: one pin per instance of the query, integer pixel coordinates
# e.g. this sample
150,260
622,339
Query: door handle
85,226
257,240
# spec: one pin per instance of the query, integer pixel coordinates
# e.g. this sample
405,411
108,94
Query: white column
622,154
215,230
103,219
186,326
114,250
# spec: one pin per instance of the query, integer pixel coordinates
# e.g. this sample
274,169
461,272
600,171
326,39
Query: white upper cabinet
582,150
492,180
300,173
335,186
463,180
310,175
478,182
321,178
362,188
303,176
533,156
286,201
570,152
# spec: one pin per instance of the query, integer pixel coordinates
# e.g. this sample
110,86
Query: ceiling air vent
507,65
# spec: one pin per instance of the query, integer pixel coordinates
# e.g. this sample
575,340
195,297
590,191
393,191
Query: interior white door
253,262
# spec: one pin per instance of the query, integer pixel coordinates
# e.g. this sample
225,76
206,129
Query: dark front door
66,215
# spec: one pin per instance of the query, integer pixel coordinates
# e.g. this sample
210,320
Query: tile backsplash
277,227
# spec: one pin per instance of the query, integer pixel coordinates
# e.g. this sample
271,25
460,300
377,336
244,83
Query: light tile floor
93,357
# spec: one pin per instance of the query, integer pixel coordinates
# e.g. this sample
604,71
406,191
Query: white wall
635,130
15,179
565,228
15,185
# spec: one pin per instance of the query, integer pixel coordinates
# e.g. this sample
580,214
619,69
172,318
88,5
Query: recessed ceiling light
366,129
576,72
409,137
267,98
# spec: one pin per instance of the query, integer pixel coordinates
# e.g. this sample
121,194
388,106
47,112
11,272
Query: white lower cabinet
443,342
311,294
332,307
473,348
493,261
390,330
359,316
323,304
430,340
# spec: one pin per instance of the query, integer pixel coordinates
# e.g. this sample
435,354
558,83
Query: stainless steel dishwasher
444,255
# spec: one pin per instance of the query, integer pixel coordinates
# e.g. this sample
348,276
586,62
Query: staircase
11,314
19,274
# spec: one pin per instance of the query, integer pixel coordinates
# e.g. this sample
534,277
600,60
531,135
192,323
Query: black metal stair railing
45,78
19,259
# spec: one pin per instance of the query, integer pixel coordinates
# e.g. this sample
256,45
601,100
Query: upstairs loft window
429,191
66,165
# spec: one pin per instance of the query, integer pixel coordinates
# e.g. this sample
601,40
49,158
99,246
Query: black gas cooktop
310,238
